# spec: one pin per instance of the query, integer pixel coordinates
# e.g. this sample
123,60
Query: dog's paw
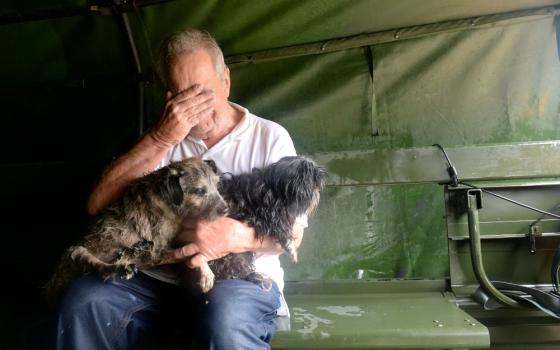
206,281
291,250
127,271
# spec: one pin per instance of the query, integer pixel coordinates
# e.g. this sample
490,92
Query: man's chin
199,134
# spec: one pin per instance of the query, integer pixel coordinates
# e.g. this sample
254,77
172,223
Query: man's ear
226,82
171,190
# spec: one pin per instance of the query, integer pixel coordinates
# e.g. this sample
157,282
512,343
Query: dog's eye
199,191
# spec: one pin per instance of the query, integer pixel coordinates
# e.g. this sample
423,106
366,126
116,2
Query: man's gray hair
185,42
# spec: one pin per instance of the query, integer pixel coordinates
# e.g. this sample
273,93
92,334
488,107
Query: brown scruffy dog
133,232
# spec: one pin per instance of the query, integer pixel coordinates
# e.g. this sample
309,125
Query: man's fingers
191,107
189,93
183,252
196,261
200,114
189,249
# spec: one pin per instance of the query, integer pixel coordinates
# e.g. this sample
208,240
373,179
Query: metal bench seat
404,314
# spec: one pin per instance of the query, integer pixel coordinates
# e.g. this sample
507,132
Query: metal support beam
138,67
387,36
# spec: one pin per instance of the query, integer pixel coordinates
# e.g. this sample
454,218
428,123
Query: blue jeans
145,313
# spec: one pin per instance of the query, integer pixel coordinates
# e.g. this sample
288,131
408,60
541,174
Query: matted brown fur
133,232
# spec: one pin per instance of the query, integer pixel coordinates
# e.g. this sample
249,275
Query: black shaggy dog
269,200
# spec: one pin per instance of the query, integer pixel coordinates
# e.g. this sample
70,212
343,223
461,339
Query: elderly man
198,121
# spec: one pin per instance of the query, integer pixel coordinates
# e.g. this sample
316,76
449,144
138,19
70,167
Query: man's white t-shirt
253,143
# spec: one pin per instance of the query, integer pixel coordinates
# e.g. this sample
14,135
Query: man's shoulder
266,126
257,122
257,130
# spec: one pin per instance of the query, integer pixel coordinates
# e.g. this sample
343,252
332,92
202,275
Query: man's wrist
244,237
158,140
244,240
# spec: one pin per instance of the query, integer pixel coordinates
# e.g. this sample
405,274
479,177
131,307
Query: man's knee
240,312
240,299
103,314
85,293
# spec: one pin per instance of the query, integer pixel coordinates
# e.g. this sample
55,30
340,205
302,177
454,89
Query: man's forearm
137,162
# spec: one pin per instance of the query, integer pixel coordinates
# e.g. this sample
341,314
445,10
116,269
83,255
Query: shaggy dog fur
269,200
133,232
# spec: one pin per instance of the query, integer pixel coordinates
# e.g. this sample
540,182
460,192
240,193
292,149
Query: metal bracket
534,232
474,199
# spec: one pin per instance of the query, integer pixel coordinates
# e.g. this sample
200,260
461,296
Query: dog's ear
297,177
171,190
212,165
310,173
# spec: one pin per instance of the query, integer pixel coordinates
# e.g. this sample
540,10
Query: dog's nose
222,210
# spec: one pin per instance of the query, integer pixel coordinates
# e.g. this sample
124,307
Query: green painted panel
386,286
375,321
428,164
370,232
506,260
499,218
